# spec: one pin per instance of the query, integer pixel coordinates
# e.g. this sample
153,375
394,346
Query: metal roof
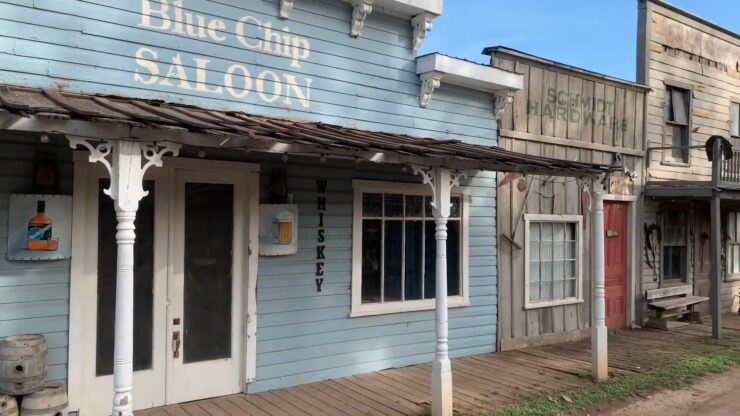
261,133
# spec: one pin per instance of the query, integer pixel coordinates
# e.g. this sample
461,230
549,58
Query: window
735,119
677,120
553,253
394,249
675,254
733,246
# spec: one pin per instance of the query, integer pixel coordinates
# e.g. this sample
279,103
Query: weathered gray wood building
544,258
691,65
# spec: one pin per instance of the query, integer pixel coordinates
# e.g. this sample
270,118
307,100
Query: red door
615,228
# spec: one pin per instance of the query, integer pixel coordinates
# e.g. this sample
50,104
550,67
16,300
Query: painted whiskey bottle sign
39,230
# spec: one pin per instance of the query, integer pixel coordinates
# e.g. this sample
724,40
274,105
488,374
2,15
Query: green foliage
677,374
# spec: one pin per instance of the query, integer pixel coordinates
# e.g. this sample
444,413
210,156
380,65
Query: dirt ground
714,395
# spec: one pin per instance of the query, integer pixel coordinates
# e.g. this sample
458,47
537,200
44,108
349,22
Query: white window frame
368,309
733,240
735,117
578,219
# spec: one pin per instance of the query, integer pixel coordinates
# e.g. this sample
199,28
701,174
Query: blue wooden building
252,186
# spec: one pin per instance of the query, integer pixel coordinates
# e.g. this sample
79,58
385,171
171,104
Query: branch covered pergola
129,136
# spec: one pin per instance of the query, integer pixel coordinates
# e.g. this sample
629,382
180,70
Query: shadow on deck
481,382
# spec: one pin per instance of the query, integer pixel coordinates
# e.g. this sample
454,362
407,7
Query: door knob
176,344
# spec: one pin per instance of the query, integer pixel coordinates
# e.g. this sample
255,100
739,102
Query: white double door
190,263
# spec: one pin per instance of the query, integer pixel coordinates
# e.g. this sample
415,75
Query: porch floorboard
481,382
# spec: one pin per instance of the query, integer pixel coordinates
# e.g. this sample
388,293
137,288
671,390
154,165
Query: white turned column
441,181
599,355
126,189
123,351
441,368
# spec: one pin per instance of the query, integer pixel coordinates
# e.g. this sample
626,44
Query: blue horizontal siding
305,336
367,82
34,296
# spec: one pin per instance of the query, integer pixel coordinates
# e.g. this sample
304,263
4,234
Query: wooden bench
673,302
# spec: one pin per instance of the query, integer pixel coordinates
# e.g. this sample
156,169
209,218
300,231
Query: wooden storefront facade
262,194
570,114
691,66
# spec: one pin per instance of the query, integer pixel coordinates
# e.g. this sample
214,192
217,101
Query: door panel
190,260
143,281
615,257
701,256
209,219
150,280
205,286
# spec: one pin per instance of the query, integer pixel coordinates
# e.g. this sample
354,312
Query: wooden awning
276,135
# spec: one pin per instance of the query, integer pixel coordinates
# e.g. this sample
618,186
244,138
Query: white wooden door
208,252
98,299
191,260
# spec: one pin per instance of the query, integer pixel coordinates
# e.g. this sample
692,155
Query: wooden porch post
126,176
715,268
441,181
599,336
715,245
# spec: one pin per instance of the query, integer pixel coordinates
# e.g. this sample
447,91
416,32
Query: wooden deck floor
480,382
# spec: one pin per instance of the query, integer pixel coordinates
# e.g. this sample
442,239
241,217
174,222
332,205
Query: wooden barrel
50,401
8,406
23,364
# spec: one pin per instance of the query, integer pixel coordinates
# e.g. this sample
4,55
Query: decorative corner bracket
502,99
429,82
125,165
361,10
422,24
441,181
99,150
286,6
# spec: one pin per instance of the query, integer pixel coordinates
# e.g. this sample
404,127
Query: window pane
735,258
455,208
680,105
570,231
534,251
546,229
534,292
414,258
735,119
559,231
209,225
570,250
534,231
545,290
679,139
393,260
372,205
558,270
414,204
430,259
570,288
393,205
546,250
428,207
143,281
546,271
534,272
453,258
371,260
558,287
571,269
558,250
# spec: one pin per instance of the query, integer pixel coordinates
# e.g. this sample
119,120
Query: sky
599,35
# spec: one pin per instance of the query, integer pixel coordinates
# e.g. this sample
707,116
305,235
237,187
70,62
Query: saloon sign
203,75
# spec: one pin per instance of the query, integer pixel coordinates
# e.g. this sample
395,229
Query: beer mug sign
282,227
278,234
